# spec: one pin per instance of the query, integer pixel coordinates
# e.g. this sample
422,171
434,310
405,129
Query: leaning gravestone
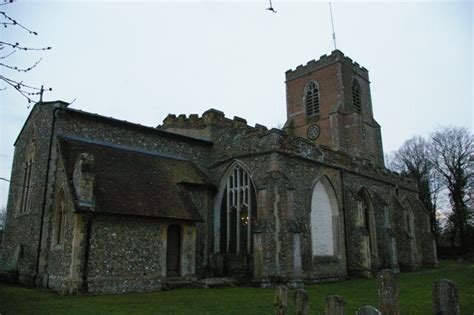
387,288
445,298
368,310
281,300
334,305
301,302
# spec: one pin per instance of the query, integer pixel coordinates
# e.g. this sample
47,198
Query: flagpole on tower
332,23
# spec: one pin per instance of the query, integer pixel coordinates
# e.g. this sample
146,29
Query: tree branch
20,69
15,23
18,46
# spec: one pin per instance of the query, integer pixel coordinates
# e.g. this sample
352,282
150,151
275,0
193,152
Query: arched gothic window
26,187
356,101
59,219
409,220
410,229
27,183
238,211
311,99
324,219
367,221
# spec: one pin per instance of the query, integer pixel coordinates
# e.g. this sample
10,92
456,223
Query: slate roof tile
130,182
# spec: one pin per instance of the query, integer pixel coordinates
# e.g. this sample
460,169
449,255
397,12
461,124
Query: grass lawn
415,297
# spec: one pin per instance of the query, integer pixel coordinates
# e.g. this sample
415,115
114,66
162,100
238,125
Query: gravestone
368,310
281,300
445,298
334,305
387,288
301,302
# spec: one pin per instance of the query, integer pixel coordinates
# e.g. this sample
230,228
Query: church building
98,204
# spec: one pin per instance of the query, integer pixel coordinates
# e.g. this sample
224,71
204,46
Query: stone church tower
328,102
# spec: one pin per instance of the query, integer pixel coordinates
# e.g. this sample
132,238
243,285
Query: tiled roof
136,182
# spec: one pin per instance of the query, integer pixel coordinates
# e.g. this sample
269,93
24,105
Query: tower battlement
211,117
324,61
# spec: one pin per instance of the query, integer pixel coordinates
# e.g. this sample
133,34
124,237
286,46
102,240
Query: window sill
20,215
312,118
409,235
326,259
57,247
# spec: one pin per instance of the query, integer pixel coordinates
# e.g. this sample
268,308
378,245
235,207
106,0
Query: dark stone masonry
103,205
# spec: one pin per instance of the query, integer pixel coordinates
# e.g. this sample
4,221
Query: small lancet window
59,219
311,99
356,96
26,187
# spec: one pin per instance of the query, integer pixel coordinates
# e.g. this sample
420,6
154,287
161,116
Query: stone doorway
173,251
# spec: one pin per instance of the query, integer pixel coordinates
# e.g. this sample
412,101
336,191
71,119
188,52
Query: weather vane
270,8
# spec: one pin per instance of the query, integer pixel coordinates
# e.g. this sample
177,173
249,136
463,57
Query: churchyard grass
415,297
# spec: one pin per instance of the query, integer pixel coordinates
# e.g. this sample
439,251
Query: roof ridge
137,125
124,147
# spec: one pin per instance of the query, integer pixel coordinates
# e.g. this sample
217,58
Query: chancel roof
136,182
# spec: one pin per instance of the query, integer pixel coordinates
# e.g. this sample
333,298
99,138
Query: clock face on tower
313,132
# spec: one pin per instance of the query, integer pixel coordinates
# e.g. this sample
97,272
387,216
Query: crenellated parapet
196,125
259,138
324,61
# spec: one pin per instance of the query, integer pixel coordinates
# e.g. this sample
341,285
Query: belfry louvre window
356,96
311,99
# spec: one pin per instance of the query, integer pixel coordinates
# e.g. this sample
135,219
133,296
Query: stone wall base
123,285
27,279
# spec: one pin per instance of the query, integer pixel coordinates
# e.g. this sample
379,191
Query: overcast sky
141,61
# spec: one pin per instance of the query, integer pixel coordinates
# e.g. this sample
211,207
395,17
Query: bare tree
7,49
413,159
453,153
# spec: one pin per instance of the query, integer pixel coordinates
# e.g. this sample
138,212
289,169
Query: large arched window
356,99
324,219
311,99
237,212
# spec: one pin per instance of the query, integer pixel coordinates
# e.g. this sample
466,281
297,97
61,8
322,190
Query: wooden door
173,251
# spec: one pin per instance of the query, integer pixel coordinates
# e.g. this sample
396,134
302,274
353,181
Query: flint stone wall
23,230
129,254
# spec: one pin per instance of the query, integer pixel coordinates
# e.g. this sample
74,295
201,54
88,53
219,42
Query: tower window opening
311,99
356,96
